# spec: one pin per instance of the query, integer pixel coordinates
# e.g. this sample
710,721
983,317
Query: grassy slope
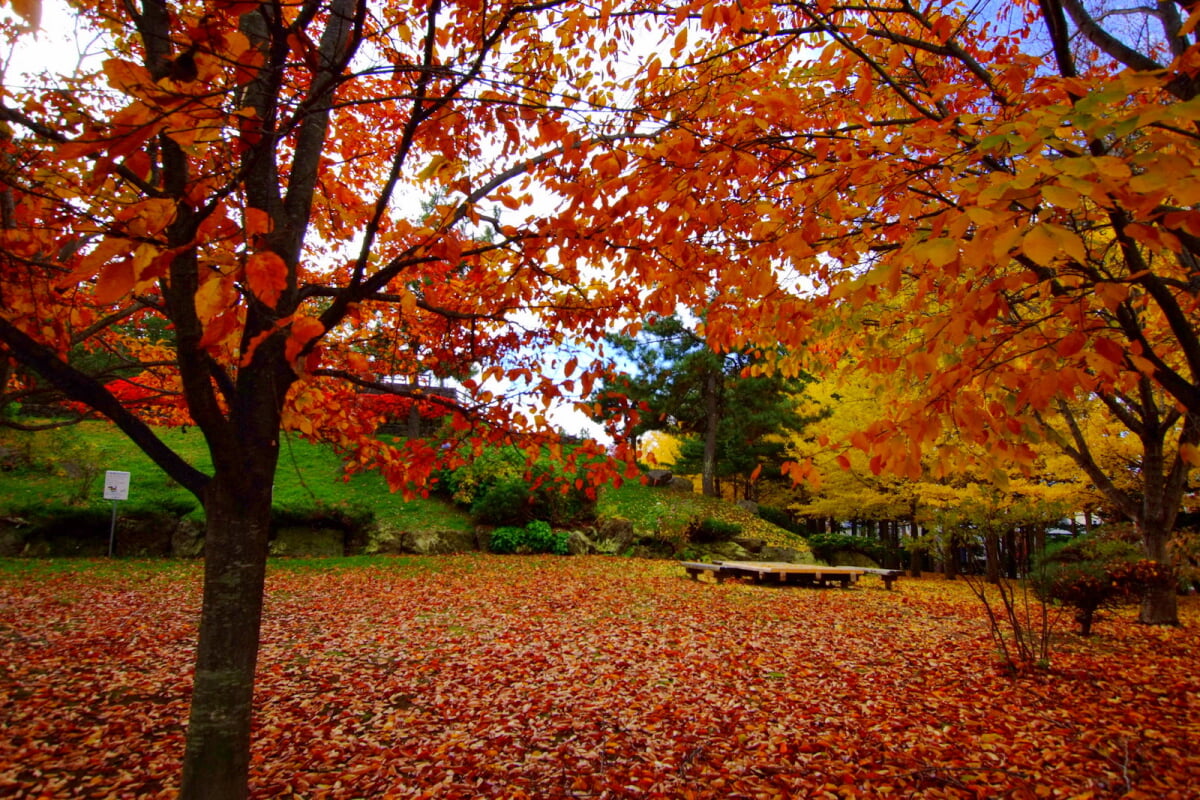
660,509
308,475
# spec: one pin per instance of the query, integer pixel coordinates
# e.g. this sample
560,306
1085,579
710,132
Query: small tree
1094,572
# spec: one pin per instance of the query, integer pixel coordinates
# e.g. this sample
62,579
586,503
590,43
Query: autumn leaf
30,11
266,276
303,331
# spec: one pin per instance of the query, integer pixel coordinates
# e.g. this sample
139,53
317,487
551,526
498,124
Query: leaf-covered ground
518,677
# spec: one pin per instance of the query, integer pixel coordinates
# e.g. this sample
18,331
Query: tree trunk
238,511
1085,617
951,567
991,546
711,421
1160,603
1010,554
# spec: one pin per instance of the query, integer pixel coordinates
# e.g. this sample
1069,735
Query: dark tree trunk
238,511
1160,603
711,422
1085,617
414,421
1010,554
991,546
950,570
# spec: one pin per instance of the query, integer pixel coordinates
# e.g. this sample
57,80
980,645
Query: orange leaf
1110,350
304,331
29,10
258,221
267,276
116,280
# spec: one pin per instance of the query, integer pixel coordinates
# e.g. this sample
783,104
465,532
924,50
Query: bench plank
784,572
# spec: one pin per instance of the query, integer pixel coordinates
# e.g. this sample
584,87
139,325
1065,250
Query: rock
303,541
723,551
659,477
12,537
850,558
435,543
653,548
187,540
144,536
679,484
773,553
578,544
614,535
749,505
483,538
751,545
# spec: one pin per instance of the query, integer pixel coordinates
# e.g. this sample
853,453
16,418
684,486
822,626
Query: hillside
65,469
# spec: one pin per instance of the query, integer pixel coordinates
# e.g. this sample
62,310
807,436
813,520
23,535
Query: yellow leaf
1149,182
939,252
1061,196
126,75
1190,453
1043,242
436,165
214,296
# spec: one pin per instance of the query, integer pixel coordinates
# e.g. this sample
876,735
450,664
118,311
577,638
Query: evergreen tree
732,422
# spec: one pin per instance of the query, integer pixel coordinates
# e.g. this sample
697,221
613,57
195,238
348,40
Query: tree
733,421
236,173
946,207
952,503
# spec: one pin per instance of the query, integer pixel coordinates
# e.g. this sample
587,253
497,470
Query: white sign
116,485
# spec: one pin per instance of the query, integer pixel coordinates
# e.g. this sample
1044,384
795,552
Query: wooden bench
694,568
760,571
889,576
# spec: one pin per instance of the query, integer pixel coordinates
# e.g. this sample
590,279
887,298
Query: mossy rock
303,541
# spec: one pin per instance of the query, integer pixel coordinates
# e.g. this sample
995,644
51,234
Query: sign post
116,488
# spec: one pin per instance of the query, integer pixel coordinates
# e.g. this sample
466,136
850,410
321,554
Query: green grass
653,509
66,467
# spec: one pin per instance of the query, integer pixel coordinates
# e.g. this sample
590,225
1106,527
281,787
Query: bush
711,530
500,487
536,537
505,502
1092,572
826,546
781,518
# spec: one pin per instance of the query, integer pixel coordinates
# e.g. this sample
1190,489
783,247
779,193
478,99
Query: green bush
536,537
505,502
826,546
1093,572
501,487
711,530
781,518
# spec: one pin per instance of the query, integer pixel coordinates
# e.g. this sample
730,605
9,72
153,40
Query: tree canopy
306,200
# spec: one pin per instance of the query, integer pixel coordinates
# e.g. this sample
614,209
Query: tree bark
916,553
238,511
712,420
1160,603
991,545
